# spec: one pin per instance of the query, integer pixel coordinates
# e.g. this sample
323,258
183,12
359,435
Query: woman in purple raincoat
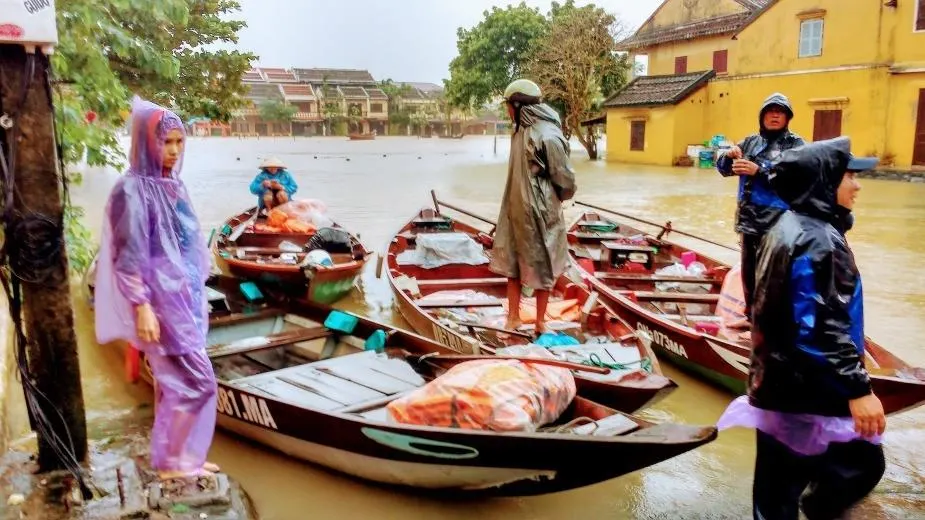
150,290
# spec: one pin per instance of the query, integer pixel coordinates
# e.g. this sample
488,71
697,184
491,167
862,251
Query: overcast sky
406,40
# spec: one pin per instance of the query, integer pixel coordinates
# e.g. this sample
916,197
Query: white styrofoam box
28,22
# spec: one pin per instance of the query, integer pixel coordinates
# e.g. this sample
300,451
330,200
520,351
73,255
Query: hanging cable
32,245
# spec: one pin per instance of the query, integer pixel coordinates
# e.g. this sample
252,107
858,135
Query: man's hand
867,412
147,327
267,184
734,153
743,167
276,186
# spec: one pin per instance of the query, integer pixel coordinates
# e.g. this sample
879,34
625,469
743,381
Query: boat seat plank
333,387
464,282
623,277
266,342
597,236
365,376
675,297
616,246
395,368
294,394
612,426
376,414
455,302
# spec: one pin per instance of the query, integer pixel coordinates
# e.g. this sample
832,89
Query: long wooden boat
620,261
418,296
362,137
263,257
288,382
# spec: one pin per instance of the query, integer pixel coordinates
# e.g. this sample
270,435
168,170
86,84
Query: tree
576,62
398,115
111,49
492,54
276,111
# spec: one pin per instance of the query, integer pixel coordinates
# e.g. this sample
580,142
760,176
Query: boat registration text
662,340
242,406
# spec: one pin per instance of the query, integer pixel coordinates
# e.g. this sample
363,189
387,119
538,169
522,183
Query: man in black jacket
759,206
807,365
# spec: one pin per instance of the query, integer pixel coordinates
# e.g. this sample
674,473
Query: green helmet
523,91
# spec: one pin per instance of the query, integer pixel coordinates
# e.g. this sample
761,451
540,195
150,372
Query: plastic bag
439,249
694,270
496,395
310,211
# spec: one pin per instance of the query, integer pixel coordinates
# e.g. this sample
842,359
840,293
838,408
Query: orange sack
497,395
277,218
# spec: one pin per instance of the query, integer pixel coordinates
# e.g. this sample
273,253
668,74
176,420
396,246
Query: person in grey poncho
530,244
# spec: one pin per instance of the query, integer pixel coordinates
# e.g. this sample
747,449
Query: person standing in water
759,206
150,290
530,244
809,394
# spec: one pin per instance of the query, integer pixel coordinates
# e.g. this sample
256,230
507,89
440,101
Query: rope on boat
595,361
566,428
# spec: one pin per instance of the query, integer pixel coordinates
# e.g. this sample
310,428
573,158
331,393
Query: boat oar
438,203
664,228
537,361
240,228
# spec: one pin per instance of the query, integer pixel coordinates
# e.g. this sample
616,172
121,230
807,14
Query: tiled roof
272,70
659,90
281,76
755,15
263,91
298,91
339,76
353,92
753,5
252,75
726,24
375,93
413,94
424,87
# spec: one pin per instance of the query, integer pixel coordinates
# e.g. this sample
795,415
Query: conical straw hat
272,162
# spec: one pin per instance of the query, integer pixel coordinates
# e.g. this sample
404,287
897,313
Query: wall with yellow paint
689,119
699,54
909,45
734,104
901,117
675,12
659,131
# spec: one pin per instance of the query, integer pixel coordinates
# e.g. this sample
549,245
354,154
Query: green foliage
162,51
492,54
276,111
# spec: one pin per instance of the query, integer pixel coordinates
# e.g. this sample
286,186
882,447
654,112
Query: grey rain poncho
530,242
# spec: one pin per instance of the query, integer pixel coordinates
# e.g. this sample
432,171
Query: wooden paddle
240,228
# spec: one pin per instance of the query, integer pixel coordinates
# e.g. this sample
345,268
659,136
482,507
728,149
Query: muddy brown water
373,187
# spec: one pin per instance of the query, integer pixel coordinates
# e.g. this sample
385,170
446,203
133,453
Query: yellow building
850,67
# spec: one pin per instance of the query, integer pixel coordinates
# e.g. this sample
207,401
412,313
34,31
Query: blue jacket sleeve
824,326
289,184
257,184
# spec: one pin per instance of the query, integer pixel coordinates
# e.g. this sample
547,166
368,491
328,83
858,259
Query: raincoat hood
532,114
150,125
775,99
813,173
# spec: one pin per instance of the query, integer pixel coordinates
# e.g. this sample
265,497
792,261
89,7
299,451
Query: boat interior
651,272
291,358
472,300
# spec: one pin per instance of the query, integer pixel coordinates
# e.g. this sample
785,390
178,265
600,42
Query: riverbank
889,174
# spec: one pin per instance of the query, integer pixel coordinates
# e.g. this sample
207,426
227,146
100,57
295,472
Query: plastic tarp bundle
496,395
694,270
310,211
805,434
438,249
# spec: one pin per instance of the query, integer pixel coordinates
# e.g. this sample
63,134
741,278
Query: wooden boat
289,383
417,292
362,137
623,271
261,256
456,136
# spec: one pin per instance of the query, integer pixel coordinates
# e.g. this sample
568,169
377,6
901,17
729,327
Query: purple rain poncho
152,251
805,434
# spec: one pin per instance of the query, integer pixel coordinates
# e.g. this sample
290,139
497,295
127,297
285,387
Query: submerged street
373,187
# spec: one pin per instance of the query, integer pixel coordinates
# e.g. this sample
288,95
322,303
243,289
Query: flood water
373,187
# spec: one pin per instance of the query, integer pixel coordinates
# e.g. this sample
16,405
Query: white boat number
253,409
661,339
454,341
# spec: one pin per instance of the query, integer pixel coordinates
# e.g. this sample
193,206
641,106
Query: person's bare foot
211,467
512,324
176,474
740,324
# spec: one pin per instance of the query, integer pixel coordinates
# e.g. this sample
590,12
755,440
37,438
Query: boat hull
726,363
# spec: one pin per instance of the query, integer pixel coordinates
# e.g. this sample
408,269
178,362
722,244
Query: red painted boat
261,256
422,297
619,262
362,137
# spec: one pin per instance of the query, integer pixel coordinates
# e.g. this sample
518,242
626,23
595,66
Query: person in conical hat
273,185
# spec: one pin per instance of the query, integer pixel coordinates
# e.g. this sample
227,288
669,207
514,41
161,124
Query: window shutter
721,61
680,65
637,135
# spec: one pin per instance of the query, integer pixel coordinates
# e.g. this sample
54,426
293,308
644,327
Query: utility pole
48,320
